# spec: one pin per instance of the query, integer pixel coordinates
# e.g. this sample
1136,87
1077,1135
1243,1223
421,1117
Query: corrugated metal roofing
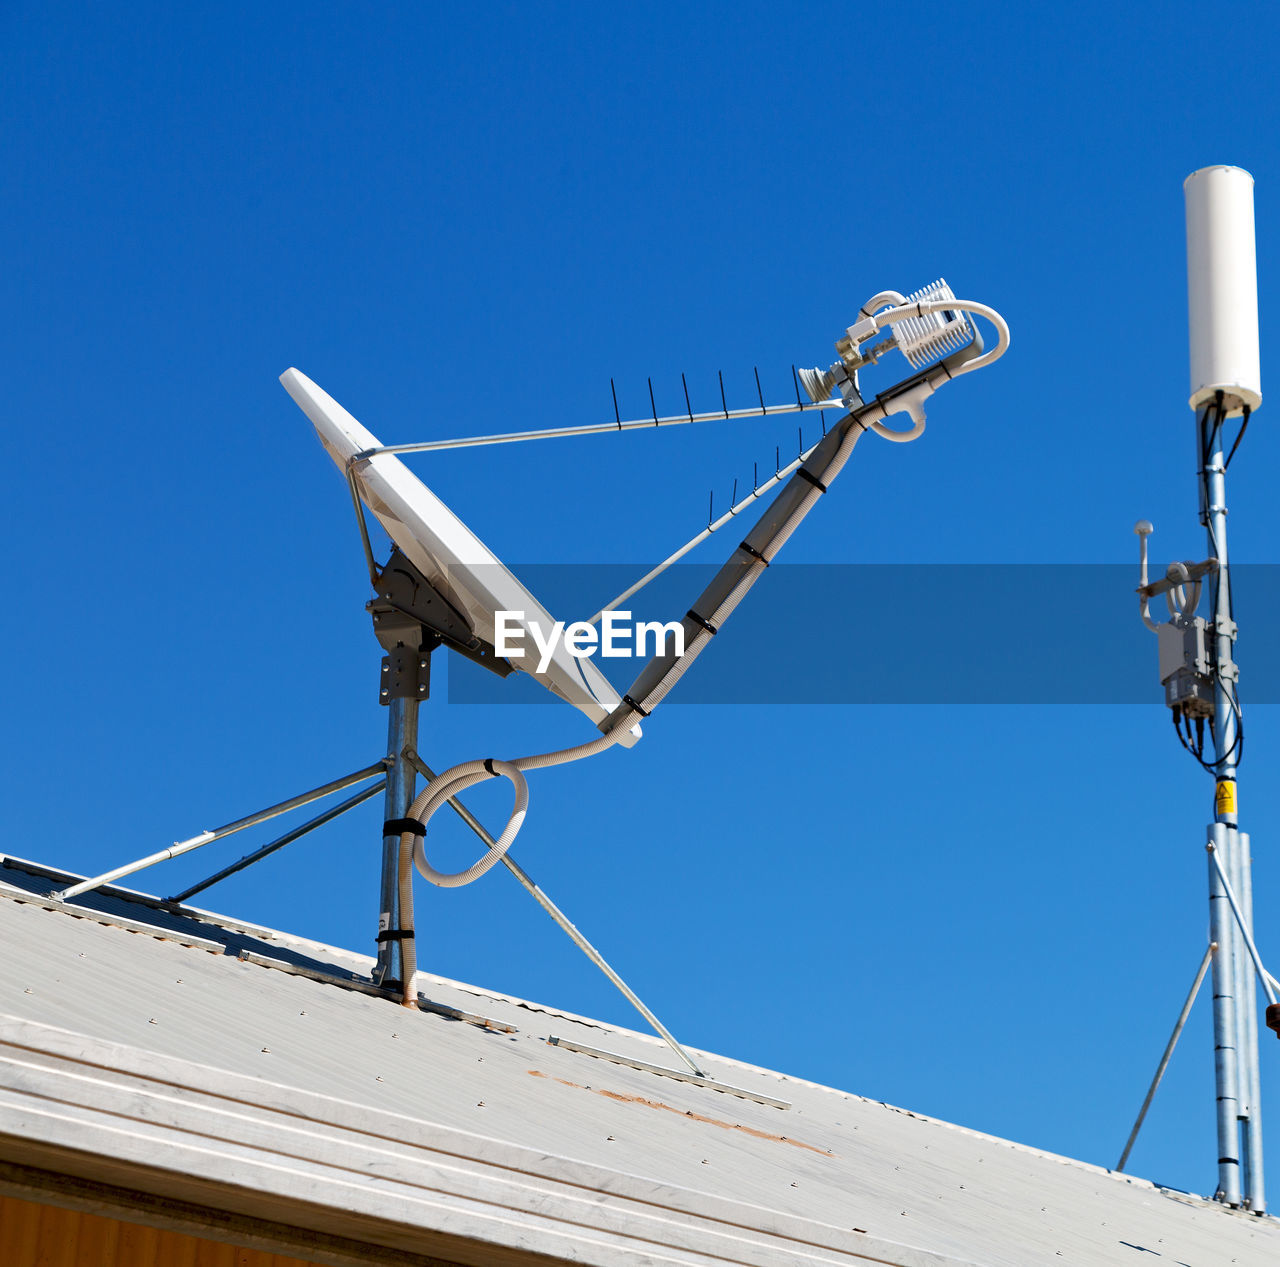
858,1173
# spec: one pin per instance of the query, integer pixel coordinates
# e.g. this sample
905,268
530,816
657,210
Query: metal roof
243,1067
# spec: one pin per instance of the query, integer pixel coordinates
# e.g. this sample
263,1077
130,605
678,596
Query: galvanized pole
402,733
1234,989
1256,1189
1226,380
1225,1056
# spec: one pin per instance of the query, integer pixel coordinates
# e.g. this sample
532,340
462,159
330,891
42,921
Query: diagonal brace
1263,975
280,841
1168,1053
557,914
206,837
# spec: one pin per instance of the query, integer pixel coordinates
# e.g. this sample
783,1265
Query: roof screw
479,1104
267,1050
609,1137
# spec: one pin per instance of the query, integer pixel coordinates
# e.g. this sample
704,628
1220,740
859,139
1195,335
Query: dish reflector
449,554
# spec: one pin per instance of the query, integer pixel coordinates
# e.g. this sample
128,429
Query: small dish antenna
468,579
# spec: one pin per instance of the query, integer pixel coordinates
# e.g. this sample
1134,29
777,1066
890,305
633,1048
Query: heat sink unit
935,335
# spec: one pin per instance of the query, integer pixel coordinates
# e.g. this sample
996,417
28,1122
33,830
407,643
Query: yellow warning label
1225,800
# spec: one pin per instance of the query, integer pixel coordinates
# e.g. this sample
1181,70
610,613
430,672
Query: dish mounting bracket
410,617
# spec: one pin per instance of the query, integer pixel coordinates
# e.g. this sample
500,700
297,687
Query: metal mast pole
1254,1179
402,733
1222,293
1235,1066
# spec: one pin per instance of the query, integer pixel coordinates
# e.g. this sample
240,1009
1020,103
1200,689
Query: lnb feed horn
923,326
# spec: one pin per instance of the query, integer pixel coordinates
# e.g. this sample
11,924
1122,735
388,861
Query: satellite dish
443,586
450,555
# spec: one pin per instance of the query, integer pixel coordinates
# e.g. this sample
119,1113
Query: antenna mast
1197,661
1222,299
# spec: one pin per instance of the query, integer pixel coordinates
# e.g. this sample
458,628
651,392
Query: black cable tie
395,934
706,624
630,703
1244,426
751,550
488,765
812,479
398,826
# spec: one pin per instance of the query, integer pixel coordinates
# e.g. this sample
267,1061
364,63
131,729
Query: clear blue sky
463,221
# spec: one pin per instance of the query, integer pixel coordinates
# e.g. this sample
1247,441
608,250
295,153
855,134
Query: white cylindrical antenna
1222,288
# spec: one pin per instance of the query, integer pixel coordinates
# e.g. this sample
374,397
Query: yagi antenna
443,586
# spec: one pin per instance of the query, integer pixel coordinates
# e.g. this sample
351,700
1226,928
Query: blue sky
462,222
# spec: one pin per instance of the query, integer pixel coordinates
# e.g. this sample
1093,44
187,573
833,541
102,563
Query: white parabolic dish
449,554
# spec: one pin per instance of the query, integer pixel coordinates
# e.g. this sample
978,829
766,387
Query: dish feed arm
771,532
